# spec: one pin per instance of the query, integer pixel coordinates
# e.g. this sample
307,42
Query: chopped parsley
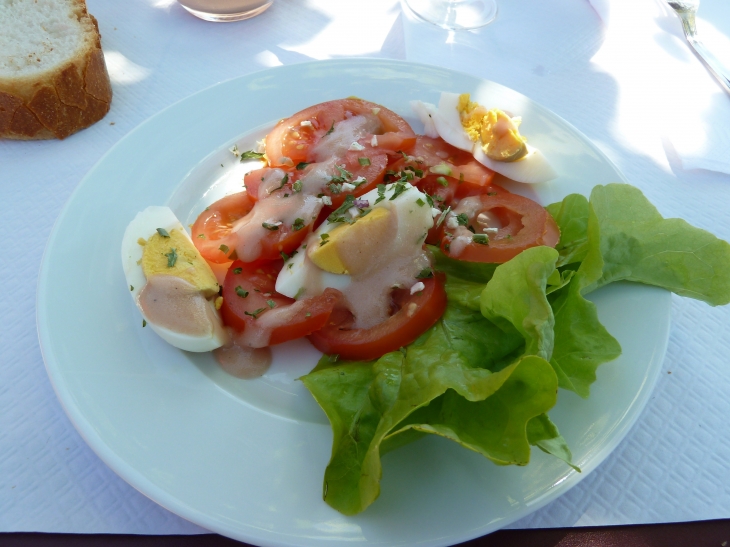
201,236
297,186
363,161
331,129
400,187
298,224
144,323
324,238
442,181
381,193
251,155
224,248
163,232
283,182
338,214
240,292
255,314
425,273
420,202
462,219
481,239
271,304
131,287
301,165
237,271
171,258
272,227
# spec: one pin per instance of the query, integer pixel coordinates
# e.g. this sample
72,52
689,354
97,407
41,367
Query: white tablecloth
675,463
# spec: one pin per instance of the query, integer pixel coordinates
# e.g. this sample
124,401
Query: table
673,465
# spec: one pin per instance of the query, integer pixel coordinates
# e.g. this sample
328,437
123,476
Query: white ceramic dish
246,459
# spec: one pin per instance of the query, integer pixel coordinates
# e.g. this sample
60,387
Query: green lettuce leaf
571,215
544,434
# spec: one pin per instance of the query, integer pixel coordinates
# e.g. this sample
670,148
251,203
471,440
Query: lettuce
487,373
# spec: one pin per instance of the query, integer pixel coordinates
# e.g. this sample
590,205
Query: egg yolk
175,255
499,134
349,247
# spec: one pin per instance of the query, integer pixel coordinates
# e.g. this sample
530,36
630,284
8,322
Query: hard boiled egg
365,249
490,135
171,284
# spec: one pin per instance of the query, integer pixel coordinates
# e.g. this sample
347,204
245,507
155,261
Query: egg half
364,251
171,284
463,124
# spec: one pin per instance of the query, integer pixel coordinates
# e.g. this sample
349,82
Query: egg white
533,168
300,270
144,226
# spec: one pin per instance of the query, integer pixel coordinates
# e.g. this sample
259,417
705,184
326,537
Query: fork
686,10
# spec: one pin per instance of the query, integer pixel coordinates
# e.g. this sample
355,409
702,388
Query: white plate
246,459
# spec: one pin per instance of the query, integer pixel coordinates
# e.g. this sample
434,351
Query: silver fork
686,9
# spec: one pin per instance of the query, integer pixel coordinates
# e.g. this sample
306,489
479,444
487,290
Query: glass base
455,14
228,17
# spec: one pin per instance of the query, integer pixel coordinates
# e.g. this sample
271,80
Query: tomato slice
417,313
211,232
368,164
436,153
249,294
291,139
524,224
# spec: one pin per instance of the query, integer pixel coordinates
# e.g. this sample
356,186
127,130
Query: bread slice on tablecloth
53,80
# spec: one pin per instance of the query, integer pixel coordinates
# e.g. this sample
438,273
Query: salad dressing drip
242,361
343,135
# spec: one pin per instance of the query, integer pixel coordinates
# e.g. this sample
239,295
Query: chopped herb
144,323
331,129
251,155
255,314
301,165
297,186
400,187
420,202
441,219
344,173
381,193
334,187
461,178
163,232
429,200
442,181
405,156
491,193
272,227
337,214
271,304
298,224
324,238
201,236
224,248
471,229
286,195
171,258
363,161
240,292
438,198
283,182
307,314
481,239
425,273
462,219
284,256
237,271
131,287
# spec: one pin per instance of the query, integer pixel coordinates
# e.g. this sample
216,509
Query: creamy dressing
343,135
243,362
173,303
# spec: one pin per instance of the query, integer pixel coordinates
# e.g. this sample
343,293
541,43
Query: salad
443,303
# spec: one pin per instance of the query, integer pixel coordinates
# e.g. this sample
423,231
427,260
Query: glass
455,14
225,11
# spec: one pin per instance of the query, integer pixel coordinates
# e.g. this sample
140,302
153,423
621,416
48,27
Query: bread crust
62,100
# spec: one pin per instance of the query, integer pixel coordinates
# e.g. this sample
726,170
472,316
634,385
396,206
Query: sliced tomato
289,142
417,313
211,232
369,164
524,224
249,293
431,154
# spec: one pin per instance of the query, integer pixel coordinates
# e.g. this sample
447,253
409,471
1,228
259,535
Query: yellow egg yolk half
349,247
499,134
175,255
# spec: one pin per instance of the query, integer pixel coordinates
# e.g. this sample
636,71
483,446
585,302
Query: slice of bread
53,80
